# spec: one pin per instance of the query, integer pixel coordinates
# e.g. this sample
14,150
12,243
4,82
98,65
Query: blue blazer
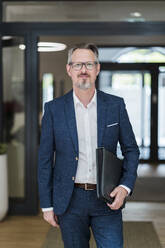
56,174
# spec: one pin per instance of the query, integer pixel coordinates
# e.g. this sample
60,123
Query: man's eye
78,65
89,64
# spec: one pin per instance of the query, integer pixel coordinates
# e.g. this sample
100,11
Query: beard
84,84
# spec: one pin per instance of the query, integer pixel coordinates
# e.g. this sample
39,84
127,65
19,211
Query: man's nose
83,69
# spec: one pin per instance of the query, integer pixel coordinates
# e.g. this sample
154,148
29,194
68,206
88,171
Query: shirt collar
77,101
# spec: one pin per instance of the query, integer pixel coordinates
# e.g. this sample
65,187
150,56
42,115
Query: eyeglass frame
82,64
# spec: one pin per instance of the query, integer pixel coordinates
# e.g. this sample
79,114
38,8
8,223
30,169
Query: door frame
29,203
153,69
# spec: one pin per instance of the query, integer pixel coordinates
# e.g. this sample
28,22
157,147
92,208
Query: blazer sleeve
129,148
46,159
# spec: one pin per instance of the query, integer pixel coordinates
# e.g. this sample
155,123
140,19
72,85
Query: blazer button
76,158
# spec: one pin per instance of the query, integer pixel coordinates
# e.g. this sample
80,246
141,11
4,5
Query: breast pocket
112,124
111,131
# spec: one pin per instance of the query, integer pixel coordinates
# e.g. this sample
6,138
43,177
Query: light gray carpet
136,235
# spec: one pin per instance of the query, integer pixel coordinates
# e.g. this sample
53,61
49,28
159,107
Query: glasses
77,66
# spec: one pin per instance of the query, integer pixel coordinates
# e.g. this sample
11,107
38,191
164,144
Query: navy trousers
85,211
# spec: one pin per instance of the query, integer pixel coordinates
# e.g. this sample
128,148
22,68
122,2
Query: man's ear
68,69
98,69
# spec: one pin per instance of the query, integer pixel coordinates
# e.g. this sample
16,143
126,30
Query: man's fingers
114,192
119,193
116,204
51,218
52,222
56,219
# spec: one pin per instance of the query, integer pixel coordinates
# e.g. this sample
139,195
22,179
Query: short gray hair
89,46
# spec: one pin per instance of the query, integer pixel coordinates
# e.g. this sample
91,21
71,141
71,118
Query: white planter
3,186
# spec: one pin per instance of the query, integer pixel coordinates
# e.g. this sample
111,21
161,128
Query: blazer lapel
101,117
71,119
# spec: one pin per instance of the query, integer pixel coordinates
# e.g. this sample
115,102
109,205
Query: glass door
19,108
13,58
135,87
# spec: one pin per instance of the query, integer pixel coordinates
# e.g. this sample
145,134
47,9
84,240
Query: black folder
109,172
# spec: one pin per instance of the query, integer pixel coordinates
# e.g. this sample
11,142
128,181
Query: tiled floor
30,232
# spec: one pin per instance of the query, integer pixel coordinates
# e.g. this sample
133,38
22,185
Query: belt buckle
86,187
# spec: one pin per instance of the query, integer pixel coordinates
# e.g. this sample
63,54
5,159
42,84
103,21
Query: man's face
83,78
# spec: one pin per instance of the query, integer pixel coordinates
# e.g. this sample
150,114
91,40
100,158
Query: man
73,126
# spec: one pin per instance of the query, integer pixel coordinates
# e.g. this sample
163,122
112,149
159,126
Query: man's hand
51,218
119,193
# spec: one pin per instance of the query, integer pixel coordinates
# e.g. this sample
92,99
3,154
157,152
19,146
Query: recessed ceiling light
50,46
136,14
6,37
47,46
22,46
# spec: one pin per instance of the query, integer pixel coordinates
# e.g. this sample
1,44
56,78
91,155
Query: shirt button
76,158
73,178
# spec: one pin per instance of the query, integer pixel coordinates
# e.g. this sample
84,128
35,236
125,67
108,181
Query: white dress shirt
86,120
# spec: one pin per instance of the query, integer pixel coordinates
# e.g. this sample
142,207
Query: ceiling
86,11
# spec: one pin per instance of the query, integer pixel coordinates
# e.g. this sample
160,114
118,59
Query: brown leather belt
86,186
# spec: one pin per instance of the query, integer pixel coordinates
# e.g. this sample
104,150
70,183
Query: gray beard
83,85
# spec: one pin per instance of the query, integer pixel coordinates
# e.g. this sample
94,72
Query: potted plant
3,181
